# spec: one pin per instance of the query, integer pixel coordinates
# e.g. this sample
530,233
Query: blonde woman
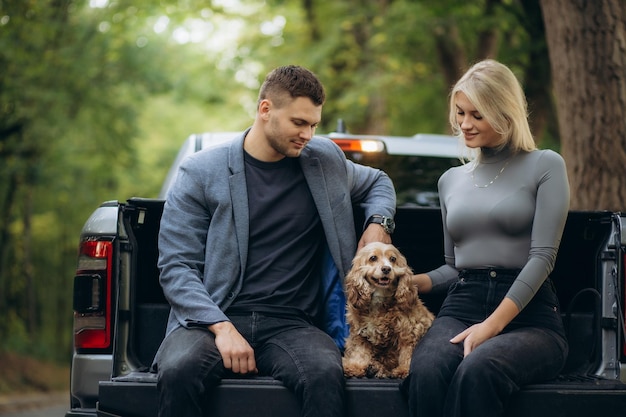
503,216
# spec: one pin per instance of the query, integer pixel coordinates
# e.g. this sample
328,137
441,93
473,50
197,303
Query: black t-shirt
281,276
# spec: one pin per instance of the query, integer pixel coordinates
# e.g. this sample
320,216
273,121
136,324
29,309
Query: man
248,230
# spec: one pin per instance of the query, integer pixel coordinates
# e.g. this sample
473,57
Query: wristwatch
386,222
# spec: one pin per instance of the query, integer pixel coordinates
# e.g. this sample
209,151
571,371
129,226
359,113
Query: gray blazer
203,240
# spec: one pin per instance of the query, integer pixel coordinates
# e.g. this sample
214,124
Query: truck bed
584,388
265,397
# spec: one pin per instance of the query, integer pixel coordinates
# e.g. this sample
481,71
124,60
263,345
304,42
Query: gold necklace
494,178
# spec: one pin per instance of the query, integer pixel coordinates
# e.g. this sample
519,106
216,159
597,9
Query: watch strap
386,222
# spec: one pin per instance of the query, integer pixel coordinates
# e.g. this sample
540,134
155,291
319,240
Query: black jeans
532,348
291,350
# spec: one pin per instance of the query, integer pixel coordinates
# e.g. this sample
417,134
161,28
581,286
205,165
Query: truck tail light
357,145
92,295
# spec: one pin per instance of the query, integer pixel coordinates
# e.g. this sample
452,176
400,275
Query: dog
385,315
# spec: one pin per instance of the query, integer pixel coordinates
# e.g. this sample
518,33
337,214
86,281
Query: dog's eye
392,259
373,258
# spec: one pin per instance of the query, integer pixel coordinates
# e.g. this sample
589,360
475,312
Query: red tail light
357,145
92,295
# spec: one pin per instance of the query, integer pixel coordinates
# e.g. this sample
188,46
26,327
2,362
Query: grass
26,374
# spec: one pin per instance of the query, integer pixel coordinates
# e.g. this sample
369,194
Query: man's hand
237,354
373,233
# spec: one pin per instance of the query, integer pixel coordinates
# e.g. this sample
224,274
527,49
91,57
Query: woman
503,216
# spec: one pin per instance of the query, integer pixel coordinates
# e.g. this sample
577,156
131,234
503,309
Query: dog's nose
386,269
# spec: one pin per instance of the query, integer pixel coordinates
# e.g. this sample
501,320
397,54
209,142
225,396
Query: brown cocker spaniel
385,314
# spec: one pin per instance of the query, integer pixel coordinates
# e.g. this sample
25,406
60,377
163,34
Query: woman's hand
423,283
476,335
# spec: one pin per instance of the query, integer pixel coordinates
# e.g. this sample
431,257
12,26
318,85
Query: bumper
87,372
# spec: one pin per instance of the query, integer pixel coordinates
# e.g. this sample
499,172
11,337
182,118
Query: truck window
414,176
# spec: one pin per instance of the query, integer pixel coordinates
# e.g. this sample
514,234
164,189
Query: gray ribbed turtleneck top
515,222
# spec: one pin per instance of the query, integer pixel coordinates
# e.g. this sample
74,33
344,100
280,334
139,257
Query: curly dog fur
385,314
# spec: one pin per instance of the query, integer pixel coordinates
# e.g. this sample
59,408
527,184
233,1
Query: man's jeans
531,349
291,350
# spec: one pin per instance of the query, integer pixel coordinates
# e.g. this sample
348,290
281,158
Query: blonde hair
498,96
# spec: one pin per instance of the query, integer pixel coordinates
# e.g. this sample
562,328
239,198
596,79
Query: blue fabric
335,323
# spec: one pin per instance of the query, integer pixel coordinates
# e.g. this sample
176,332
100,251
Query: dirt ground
16,403
27,383
22,374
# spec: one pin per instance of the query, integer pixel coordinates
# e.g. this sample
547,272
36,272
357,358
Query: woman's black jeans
532,348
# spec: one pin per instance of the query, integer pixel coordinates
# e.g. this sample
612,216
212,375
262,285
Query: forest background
96,97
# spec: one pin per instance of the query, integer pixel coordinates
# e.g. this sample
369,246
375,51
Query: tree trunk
375,119
27,262
451,48
451,52
587,46
5,246
537,78
311,17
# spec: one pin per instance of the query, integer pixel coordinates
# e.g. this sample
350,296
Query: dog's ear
358,291
401,261
406,293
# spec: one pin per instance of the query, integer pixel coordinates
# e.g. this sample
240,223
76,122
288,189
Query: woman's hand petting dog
385,314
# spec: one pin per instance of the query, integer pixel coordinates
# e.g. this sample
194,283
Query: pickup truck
120,312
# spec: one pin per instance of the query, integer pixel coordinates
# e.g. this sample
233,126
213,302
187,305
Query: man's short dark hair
295,81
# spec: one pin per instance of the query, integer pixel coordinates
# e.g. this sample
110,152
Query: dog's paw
352,369
373,372
399,372
354,373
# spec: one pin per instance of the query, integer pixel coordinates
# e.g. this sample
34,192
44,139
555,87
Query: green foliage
74,84
95,102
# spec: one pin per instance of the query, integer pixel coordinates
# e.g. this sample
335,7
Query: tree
587,46
74,80
96,97
388,65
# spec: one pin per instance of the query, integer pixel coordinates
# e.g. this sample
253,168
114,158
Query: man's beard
280,144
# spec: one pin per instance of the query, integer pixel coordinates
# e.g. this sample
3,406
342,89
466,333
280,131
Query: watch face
388,224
